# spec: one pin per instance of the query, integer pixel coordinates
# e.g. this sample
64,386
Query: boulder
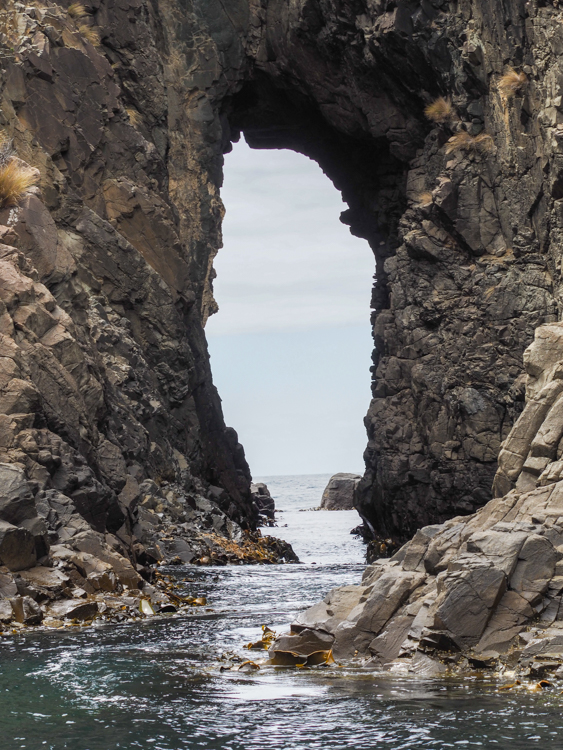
17,547
8,588
16,500
334,608
26,611
339,492
6,611
50,579
91,544
304,643
262,499
73,610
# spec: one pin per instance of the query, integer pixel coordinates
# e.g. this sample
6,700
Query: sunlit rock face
110,265
479,591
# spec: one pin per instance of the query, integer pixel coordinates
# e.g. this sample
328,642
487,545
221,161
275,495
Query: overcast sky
290,346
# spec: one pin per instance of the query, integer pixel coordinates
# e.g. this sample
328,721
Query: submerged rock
339,492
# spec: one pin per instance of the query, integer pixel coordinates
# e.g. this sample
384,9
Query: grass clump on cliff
15,177
463,141
90,34
425,198
77,11
135,117
512,82
440,111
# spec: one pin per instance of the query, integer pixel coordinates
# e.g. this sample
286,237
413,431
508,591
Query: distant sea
322,536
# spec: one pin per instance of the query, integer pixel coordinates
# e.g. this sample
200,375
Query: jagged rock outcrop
339,492
109,267
110,425
465,238
483,590
264,503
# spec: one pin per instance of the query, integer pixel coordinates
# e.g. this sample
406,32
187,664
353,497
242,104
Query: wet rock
339,492
305,643
73,610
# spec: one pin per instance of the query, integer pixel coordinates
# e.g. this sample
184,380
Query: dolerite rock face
107,270
484,587
339,492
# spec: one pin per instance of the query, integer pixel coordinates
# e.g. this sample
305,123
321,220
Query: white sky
291,344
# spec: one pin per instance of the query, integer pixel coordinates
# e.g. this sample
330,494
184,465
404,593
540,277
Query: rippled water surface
158,684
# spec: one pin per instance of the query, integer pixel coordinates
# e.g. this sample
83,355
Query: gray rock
26,611
339,492
6,611
73,610
264,502
8,588
16,500
335,607
467,601
51,579
17,547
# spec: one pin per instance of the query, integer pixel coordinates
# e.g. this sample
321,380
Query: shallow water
158,684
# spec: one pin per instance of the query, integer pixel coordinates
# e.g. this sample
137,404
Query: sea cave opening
291,344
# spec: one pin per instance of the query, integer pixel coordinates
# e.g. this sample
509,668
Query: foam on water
158,684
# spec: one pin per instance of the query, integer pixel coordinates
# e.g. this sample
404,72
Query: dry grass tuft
77,10
425,198
463,141
440,110
15,181
90,35
512,82
135,117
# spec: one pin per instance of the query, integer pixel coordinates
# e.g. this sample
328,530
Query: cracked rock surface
484,589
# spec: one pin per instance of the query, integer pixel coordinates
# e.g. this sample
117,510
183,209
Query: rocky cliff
478,592
126,108
464,231
112,440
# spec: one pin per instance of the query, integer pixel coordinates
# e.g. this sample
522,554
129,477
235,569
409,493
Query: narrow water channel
158,684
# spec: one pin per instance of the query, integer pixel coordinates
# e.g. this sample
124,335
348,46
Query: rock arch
129,138
463,277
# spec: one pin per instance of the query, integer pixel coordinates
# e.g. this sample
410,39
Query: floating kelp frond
268,637
291,659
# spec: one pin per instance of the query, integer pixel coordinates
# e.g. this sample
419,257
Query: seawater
158,685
